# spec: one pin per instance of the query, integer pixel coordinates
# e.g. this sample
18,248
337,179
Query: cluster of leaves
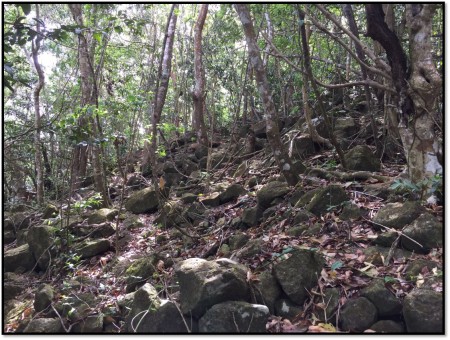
406,187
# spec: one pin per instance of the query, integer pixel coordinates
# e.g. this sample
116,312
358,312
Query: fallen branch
394,230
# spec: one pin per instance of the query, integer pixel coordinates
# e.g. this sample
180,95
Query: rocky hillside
233,249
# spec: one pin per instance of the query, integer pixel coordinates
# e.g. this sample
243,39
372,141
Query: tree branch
368,82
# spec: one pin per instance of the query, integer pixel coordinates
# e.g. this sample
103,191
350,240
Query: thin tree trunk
80,151
199,72
348,12
162,84
36,45
308,69
273,135
89,100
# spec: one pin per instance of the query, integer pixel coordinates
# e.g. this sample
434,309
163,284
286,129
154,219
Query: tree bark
162,84
310,78
417,90
199,72
348,12
425,88
36,45
273,135
89,101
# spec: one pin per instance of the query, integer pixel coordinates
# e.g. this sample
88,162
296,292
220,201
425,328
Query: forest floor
350,271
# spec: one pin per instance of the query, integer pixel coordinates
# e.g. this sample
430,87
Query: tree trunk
426,86
348,12
417,90
36,45
199,72
310,78
89,101
162,84
273,134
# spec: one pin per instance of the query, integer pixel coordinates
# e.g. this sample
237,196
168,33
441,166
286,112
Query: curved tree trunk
417,90
199,90
273,135
36,45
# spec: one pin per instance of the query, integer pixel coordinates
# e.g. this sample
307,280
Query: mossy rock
326,198
140,271
361,158
142,201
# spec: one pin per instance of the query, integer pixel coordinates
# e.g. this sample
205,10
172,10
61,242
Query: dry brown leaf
160,265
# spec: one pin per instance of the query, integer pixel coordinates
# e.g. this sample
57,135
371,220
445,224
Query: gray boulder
90,248
387,326
43,297
150,314
218,158
252,248
234,317
251,216
302,146
50,211
90,324
387,304
9,232
350,212
102,215
13,285
397,215
142,201
188,198
21,220
386,239
302,216
423,311
345,127
325,198
40,239
357,315
145,301
212,200
327,305
238,240
361,158
140,271
172,179
76,306
297,230
267,290
299,273
231,193
287,309
426,230
18,259
206,283
416,267
269,192
44,326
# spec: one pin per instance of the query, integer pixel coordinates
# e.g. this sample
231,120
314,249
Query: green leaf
336,265
26,8
388,279
118,29
98,36
287,250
